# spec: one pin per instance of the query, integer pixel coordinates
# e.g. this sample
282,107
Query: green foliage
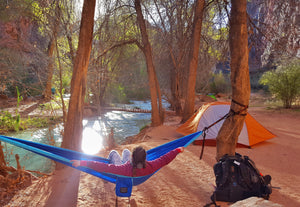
54,104
65,81
220,83
8,9
18,117
8,122
36,122
63,78
17,122
254,81
284,82
43,13
19,97
116,94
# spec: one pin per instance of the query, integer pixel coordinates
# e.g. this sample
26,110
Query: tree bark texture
2,157
193,61
73,127
55,24
175,84
60,80
48,92
240,82
156,119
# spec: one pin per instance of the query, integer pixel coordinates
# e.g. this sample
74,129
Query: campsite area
187,181
83,58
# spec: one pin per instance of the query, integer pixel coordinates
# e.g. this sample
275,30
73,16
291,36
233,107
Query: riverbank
187,181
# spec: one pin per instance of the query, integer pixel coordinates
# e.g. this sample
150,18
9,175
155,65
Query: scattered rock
255,202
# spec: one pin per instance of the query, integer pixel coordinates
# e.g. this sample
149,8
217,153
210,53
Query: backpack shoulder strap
253,166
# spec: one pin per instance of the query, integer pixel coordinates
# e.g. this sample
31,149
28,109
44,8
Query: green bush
10,123
115,94
254,81
284,82
220,83
7,122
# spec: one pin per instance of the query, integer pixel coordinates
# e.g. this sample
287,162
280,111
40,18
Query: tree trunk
2,157
73,127
175,92
153,84
55,24
161,110
48,91
193,62
70,42
60,81
238,42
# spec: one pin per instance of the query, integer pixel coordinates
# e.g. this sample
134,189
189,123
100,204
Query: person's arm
75,163
164,159
101,167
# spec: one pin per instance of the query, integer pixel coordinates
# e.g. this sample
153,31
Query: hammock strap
240,112
206,129
230,113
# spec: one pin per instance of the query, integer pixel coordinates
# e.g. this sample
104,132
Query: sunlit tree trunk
193,60
238,41
73,127
156,116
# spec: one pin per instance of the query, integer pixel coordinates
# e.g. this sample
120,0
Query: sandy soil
187,181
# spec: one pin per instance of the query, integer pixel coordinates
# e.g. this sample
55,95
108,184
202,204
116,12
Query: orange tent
252,132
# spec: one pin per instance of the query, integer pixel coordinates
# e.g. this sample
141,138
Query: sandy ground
187,181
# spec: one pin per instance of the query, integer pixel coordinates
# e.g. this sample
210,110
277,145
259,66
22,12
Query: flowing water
95,130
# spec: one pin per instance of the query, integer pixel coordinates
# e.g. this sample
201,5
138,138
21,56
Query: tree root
14,179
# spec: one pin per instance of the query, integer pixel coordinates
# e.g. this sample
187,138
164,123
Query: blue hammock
123,183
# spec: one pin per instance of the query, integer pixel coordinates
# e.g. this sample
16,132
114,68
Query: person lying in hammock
133,166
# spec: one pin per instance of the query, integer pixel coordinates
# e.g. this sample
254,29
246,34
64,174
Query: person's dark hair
139,157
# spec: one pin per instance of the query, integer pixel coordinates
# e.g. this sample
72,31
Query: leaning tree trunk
73,127
238,42
193,61
156,116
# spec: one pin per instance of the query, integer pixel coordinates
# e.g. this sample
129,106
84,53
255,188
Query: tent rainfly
251,134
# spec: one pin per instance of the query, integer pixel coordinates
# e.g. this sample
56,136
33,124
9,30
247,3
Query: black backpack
237,178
